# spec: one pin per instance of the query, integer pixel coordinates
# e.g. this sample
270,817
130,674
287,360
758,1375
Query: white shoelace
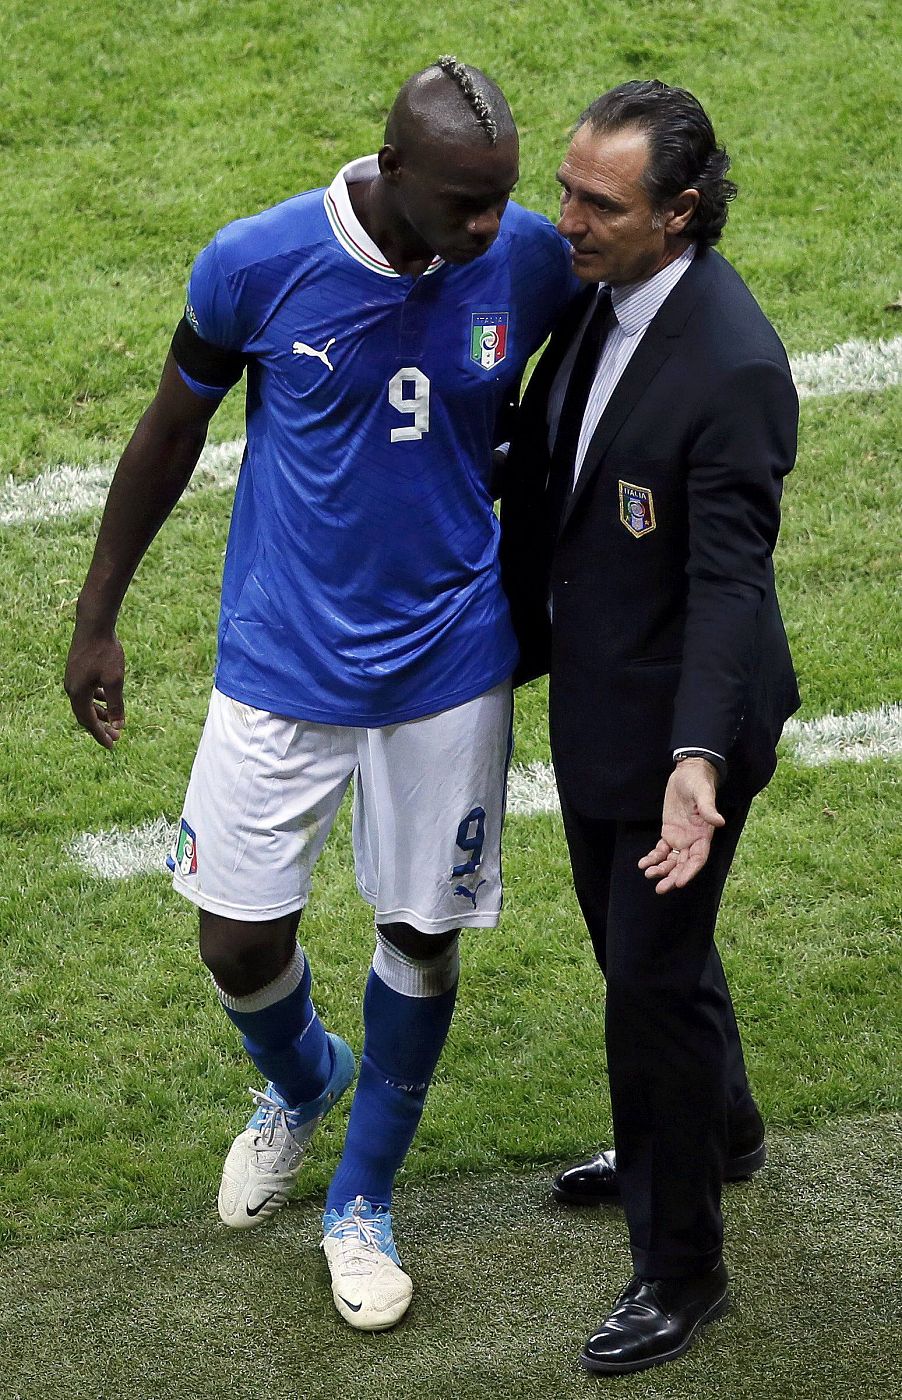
360,1239
275,1115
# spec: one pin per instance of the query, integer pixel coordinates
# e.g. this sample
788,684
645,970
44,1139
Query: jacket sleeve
742,447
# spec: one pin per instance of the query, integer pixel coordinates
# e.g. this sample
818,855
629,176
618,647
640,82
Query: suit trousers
675,1065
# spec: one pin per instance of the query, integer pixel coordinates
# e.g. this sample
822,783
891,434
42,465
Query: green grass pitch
129,133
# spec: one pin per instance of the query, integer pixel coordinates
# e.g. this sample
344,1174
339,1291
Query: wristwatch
715,759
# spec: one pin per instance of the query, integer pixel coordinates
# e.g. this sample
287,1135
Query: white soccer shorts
428,811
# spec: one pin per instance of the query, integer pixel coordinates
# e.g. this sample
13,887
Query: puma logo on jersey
299,348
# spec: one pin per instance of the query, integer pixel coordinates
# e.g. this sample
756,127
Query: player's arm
152,474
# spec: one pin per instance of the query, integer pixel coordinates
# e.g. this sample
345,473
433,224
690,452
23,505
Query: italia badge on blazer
488,338
637,508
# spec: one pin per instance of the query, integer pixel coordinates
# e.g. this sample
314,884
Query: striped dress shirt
634,308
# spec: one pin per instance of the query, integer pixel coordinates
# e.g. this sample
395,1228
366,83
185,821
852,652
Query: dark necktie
577,396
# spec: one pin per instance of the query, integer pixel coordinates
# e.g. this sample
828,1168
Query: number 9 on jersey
408,392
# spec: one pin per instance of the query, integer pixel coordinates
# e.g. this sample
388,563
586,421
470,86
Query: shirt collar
637,303
348,229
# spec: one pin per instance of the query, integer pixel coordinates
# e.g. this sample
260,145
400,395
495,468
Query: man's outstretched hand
689,822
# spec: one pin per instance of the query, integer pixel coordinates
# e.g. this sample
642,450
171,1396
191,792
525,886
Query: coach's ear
679,212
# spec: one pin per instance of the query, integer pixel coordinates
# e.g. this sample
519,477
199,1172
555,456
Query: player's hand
95,672
689,822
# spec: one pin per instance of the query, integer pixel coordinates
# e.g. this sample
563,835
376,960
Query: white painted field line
855,738
856,365
116,855
858,737
867,734
67,490
531,788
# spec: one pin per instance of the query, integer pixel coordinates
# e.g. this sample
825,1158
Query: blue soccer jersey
361,582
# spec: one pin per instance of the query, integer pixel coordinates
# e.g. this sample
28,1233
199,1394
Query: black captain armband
205,366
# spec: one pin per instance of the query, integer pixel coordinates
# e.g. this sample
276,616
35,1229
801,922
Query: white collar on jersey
347,228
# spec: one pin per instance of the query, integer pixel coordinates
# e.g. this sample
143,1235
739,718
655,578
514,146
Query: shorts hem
484,919
241,912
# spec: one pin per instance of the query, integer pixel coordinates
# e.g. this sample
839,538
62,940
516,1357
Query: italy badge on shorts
488,338
637,508
182,859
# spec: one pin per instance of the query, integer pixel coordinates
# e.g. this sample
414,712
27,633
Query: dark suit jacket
666,634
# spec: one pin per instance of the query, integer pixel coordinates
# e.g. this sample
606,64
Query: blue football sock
283,1034
403,1039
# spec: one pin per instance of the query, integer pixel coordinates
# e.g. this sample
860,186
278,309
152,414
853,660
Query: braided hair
463,76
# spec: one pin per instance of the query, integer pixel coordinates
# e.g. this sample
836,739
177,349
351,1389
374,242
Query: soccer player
383,324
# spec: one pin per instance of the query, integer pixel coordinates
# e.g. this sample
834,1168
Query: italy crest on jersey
637,509
488,338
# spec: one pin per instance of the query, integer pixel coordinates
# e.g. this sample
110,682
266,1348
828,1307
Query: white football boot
370,1289
264,1160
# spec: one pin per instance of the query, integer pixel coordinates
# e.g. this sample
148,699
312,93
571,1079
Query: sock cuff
416,977
277,990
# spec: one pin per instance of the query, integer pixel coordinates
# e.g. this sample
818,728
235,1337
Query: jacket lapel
657,345
535,399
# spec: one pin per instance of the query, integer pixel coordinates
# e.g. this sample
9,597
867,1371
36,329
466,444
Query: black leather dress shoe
655,1320
593,1181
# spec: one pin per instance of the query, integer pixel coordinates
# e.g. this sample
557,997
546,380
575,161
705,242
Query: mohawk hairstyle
461,75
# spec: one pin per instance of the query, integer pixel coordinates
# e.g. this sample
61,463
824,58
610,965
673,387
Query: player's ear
389,164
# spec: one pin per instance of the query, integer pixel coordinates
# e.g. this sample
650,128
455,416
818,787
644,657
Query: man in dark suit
639,518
